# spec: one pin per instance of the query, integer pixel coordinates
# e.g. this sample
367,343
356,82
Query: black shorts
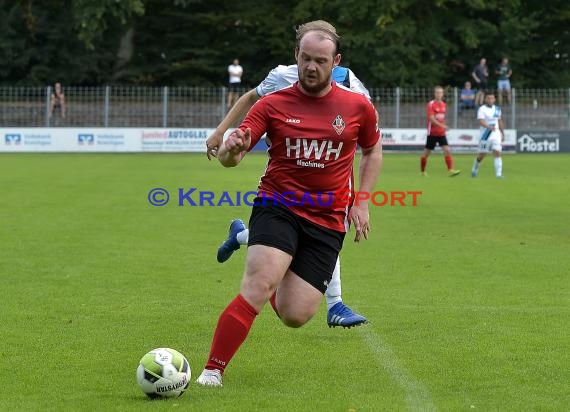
481,86
234,87
432,141
314,248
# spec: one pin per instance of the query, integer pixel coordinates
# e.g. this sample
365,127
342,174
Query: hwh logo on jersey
309,146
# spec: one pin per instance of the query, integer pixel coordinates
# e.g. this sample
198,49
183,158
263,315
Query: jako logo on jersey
293,121
310,146
338,124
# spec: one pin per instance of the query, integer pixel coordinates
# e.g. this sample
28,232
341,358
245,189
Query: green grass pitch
467,293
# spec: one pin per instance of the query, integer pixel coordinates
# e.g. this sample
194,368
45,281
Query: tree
93,18
190,42
193,42
39,45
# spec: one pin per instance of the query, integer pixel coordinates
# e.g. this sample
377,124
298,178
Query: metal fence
198,107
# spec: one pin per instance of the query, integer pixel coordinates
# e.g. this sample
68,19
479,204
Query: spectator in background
504,73
481,76
235,71
57,100
467,97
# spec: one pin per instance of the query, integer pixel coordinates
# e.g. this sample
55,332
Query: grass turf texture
467,293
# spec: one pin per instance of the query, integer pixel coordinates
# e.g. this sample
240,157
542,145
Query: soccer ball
163,373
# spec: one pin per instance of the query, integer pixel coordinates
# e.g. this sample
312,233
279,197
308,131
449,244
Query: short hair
489,93
318,25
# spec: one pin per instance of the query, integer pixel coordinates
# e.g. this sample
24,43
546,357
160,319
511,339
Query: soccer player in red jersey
436,129
338,314
295,235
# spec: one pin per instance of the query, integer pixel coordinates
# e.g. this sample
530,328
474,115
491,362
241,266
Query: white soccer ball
163,373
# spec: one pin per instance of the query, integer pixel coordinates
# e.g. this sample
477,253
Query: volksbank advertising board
194,140
69,139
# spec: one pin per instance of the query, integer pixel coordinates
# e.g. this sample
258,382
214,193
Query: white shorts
490,145
504,84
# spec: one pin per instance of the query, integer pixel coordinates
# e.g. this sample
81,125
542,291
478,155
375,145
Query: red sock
449,162
232,329
423,161
273,304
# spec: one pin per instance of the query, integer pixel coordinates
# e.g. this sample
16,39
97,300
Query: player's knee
257,290
294,316
293,321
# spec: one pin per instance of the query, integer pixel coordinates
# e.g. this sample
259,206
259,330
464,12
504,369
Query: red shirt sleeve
370,132
257,120
430,111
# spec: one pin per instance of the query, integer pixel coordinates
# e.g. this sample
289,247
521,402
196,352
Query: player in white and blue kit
280,77
491,135
284,76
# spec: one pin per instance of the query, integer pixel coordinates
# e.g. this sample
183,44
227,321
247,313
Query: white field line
418,397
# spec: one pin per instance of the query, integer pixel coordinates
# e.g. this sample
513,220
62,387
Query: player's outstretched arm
370,165
234,148
239,110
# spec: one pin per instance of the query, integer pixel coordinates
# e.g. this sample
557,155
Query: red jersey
437,109
313,144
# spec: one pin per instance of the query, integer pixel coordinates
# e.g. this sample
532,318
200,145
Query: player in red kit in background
315,127
436,129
